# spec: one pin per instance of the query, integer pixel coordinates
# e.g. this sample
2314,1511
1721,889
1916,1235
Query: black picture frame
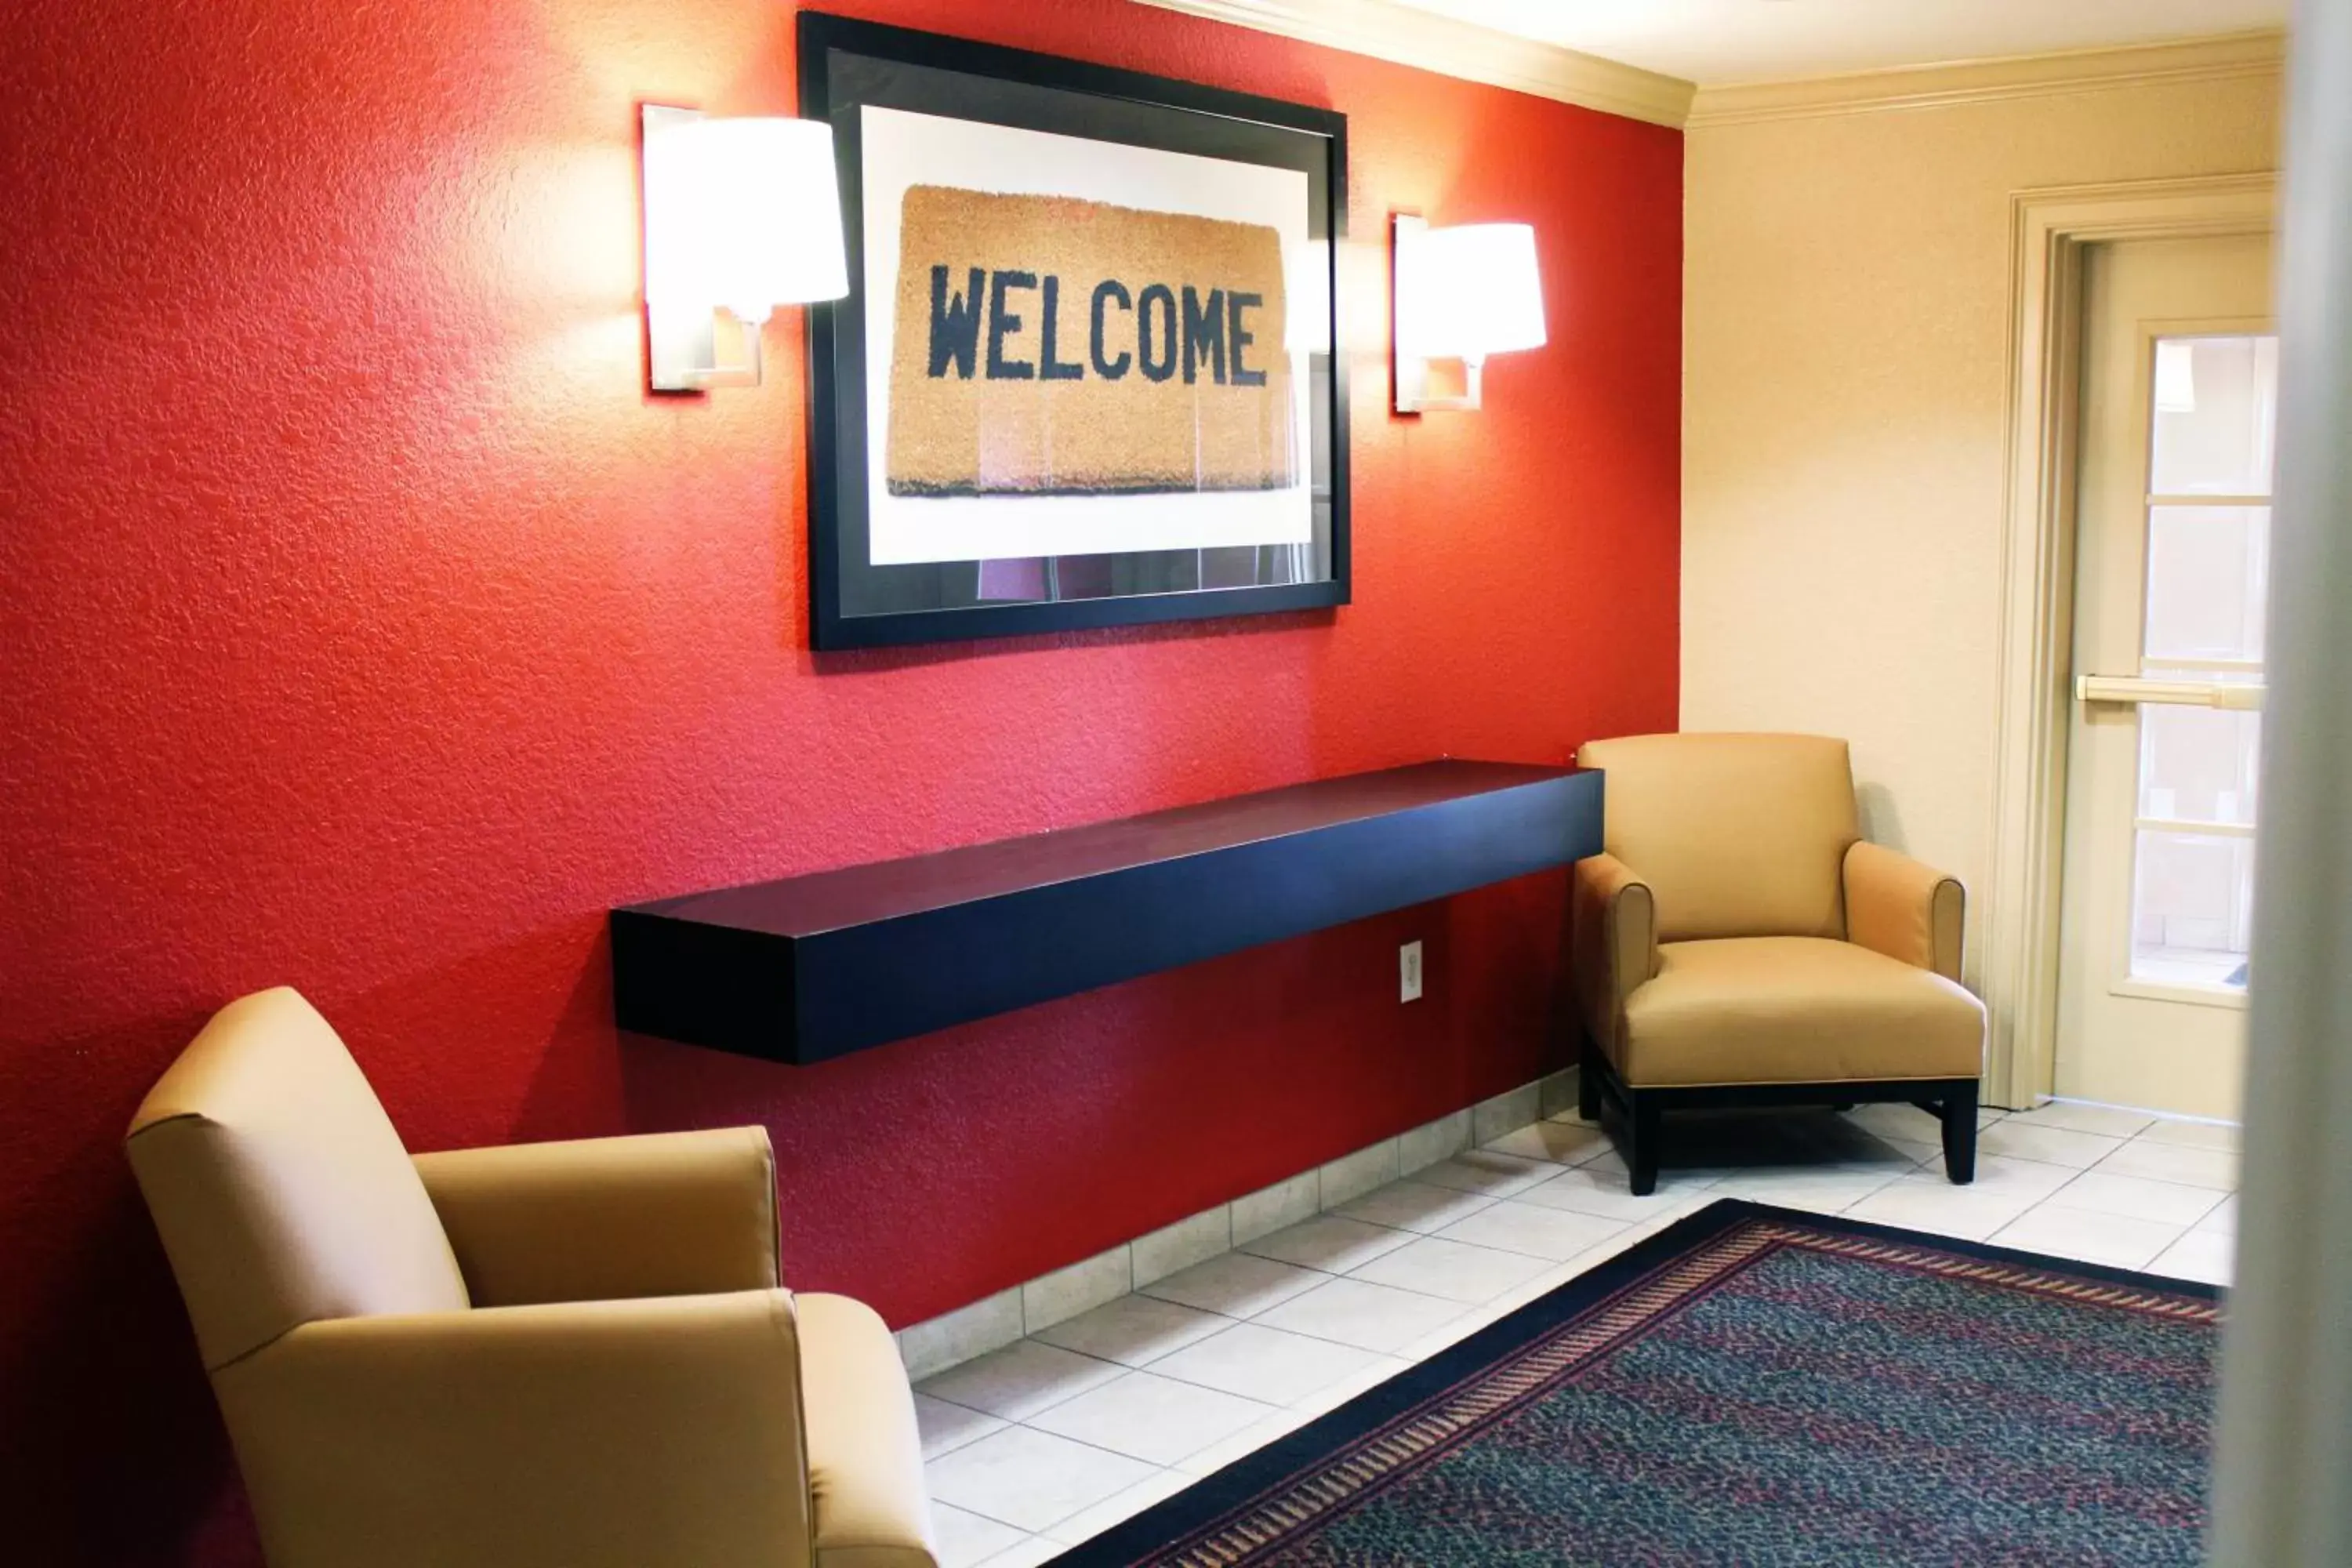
847,64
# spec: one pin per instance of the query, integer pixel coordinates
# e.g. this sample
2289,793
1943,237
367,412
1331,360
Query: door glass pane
2193,895
2211,429
2208,577
2198,764
2215,415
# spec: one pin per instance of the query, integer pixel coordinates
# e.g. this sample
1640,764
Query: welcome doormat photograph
1085,375
1753,1387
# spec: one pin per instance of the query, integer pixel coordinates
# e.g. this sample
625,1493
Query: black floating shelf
821,965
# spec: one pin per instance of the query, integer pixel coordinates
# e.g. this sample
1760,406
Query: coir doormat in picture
1047,345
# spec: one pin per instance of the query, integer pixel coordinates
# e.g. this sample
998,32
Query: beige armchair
1739,944
571,1354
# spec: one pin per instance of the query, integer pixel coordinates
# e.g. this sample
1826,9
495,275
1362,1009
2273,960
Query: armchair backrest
282,1192
1736,835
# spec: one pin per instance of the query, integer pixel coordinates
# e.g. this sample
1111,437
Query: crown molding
1456,48
2221,58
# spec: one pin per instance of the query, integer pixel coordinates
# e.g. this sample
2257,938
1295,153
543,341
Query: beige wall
1846,333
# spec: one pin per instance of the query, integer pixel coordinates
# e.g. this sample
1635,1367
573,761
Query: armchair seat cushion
1794,1009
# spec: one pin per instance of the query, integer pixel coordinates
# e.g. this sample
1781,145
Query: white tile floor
1037,1446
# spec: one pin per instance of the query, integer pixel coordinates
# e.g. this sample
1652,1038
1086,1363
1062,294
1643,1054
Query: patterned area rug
1752,1388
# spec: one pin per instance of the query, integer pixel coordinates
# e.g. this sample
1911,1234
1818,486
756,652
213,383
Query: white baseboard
931,1347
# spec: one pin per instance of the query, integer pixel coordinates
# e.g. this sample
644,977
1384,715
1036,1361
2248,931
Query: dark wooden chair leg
1959,1113
1642,1119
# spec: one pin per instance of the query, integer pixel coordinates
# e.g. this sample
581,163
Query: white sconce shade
742,216
770,212
1467,292
1463,293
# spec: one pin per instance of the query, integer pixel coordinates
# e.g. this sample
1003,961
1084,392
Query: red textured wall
363,626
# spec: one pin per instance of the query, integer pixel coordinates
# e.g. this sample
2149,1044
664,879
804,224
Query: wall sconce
742,216
1461,293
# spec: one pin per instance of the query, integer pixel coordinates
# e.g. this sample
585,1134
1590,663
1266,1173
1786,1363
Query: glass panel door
2172,490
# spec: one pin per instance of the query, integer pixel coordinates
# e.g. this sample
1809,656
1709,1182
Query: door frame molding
2050,230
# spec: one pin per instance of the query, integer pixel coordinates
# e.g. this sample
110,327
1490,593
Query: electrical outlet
1409,973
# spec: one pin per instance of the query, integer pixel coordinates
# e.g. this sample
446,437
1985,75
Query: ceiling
1717,42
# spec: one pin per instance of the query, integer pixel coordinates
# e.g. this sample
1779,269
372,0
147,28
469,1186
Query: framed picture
1085,374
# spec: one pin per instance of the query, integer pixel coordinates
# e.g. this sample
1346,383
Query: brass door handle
2134,689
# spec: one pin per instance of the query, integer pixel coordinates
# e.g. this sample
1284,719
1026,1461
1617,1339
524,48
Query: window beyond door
2211,426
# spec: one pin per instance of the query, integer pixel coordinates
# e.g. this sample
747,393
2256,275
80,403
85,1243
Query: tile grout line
1384,1153
1919,1167
1463,1309
1229,1321
1307,1406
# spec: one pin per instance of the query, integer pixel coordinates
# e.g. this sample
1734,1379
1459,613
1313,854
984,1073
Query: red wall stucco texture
365,625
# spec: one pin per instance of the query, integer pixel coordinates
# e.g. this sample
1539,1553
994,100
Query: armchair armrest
870,1508
610,1218
657,1434
1907,910
1613,925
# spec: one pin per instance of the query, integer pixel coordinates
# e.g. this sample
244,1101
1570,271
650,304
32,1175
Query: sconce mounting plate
1412,371
682,335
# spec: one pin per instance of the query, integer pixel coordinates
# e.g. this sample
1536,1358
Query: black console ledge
817,966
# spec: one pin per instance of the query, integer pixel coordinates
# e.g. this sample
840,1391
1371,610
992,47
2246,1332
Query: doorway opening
2055,234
